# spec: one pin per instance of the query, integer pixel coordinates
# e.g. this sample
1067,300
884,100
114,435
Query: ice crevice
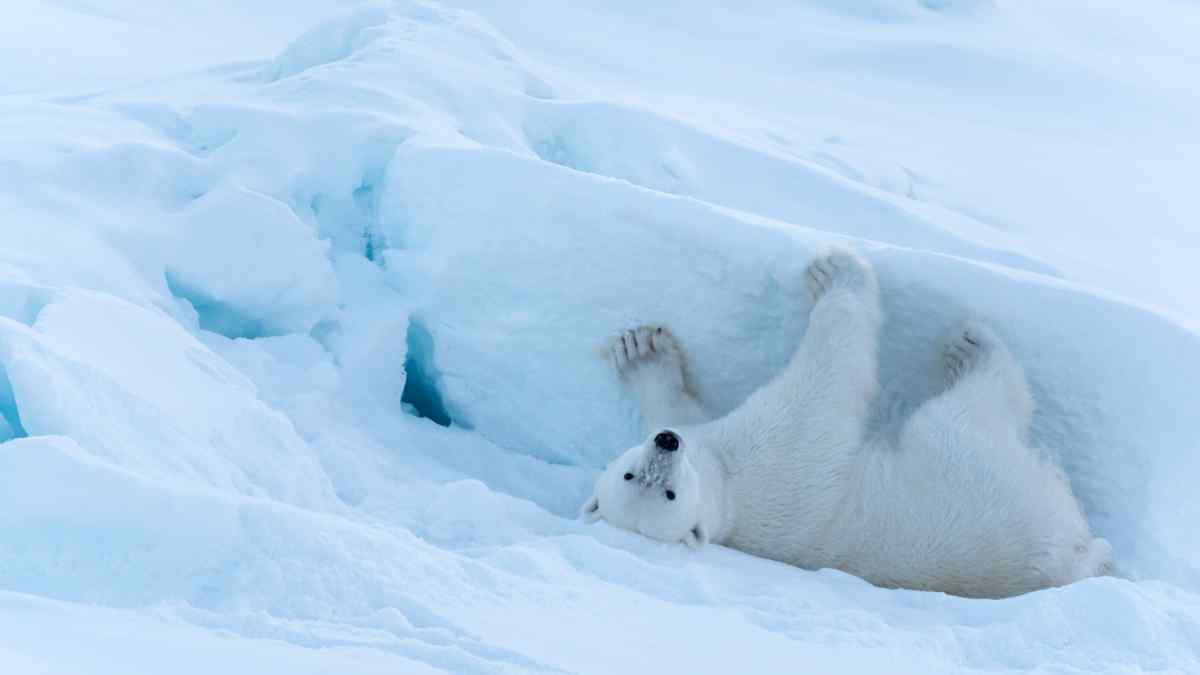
10,416
422,384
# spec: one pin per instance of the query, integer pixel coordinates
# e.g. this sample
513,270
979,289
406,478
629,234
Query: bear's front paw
840,267
647,348
968,346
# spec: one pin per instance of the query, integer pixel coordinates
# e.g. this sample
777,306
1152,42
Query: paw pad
966,347
643,344
838,267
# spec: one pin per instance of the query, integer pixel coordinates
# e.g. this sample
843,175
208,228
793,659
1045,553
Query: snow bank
138,389
301,352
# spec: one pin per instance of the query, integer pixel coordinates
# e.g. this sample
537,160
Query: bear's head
652,489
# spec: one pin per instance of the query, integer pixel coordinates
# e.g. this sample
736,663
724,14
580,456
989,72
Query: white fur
960,504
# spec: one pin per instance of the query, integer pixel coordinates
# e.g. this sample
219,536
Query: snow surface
299,305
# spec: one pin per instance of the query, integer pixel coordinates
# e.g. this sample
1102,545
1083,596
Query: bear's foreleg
820,403
837,363
649,361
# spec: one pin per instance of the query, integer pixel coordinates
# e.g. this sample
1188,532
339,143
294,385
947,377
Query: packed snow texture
300,302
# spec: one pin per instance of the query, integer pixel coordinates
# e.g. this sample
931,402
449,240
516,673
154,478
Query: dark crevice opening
422,384
10,417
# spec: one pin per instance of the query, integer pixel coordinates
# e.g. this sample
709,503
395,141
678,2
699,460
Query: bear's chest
790,511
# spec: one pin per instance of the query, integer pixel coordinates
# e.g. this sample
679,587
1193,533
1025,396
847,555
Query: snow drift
301,351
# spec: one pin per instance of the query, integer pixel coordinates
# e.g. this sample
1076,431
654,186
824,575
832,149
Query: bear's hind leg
650,361
982,375
985,389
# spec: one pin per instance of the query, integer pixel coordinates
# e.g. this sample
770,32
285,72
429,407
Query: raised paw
975,350
968,346
645,346
649,359
839,267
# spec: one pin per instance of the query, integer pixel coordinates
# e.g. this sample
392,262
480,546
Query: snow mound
138,389
297,356
249,267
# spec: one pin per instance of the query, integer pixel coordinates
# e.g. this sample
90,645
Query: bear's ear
696,537
591,510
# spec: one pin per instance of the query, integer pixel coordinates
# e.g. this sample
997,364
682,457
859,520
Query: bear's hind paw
967,346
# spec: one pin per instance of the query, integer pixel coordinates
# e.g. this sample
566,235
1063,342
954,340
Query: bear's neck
717,509
763,470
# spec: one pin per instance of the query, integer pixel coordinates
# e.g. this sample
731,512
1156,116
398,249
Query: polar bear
959,503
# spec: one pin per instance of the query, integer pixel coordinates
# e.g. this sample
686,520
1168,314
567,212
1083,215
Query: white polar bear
959,504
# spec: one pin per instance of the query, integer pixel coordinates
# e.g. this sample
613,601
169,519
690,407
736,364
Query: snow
299,308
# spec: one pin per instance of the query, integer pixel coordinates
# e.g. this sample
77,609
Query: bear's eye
628,476
671,495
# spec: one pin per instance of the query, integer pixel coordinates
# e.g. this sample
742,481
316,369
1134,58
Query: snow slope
297,366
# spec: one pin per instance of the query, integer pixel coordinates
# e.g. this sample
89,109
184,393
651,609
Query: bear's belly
890,529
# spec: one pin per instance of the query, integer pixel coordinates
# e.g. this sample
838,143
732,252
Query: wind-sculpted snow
298,361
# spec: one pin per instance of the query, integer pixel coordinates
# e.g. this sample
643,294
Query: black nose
666,440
